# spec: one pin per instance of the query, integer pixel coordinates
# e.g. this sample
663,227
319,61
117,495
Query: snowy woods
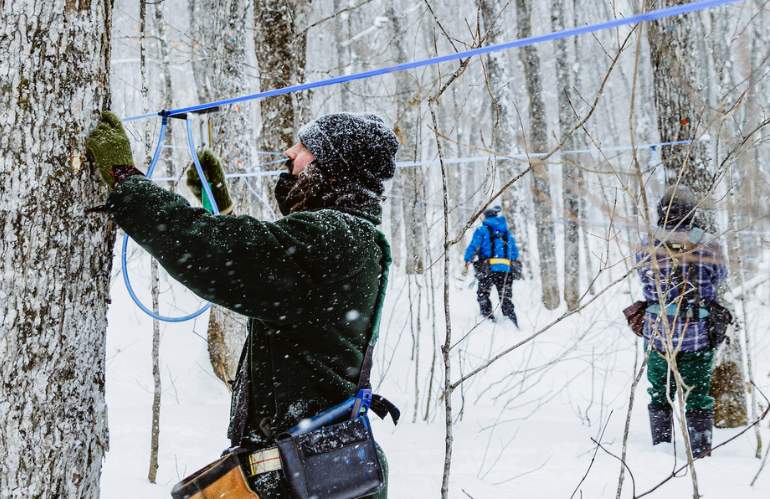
576,139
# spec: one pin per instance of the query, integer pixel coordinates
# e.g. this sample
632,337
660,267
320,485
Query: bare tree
570,181
407,128
538,142
342,31
280,39
152,472
55,271
499,83
220,28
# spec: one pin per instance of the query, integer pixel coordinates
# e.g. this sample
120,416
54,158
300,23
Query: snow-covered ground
526,424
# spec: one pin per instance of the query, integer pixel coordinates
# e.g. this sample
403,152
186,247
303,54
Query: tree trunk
570,171
341,35
407,128
395,203
538,142
164,56
680,109
221,29
152,472
501,108
226,333
280,42
55,271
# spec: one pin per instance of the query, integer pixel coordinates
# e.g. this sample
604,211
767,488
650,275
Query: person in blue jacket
494,255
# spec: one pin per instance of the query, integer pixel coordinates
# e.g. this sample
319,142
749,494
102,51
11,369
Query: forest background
576,139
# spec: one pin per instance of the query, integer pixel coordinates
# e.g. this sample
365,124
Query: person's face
300,157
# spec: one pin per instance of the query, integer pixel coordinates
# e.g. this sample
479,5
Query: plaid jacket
691,267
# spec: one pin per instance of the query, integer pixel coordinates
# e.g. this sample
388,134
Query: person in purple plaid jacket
690,267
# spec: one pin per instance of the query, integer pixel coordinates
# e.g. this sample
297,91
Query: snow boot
700,425
489,317
513,318
661,423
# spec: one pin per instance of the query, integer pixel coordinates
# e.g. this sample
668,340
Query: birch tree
570,181
499,82
538,142
55,270
152,472
407,128
681,113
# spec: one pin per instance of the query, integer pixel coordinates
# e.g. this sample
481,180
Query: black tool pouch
338,461
716,323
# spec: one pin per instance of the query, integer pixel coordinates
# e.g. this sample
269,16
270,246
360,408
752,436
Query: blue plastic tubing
124,247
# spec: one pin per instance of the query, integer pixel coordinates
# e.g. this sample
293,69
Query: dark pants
696,369
503,282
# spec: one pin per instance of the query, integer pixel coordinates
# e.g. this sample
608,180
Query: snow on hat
493,211
677,206
352,146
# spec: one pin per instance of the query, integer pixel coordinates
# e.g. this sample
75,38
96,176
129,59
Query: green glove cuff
224,203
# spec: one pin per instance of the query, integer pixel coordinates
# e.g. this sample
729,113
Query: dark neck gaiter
311,191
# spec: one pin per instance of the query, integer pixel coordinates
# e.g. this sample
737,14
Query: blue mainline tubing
523,42
215,208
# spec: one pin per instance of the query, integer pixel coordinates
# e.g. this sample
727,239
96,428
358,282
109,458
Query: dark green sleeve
253,267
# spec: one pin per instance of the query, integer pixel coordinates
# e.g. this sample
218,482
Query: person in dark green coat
309,282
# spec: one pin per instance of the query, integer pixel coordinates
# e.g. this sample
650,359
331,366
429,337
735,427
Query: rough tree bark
220,27
55,270
570,181
579,141
280,40
680,110
499,83
407,128
538,142
341,35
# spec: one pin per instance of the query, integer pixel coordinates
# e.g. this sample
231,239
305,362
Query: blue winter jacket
480,245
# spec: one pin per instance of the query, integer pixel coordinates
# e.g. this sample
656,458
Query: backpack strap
380,405
374,327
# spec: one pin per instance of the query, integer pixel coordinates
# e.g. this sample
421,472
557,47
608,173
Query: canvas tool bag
225,478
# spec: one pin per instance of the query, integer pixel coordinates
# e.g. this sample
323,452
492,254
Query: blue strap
672,310
676,10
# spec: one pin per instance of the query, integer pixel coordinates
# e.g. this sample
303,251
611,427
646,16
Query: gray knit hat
678,207
352,147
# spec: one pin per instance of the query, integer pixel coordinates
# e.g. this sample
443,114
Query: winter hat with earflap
677,208
352,147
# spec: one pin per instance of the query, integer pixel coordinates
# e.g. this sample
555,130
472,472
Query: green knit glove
215,174
108,147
